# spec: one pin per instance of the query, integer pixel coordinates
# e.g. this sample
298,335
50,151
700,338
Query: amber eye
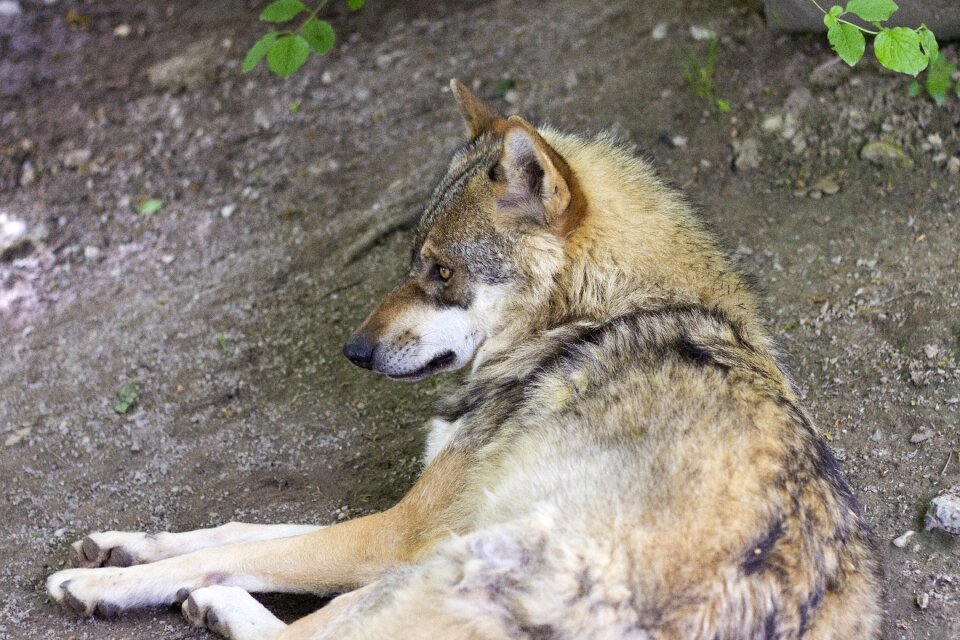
444,273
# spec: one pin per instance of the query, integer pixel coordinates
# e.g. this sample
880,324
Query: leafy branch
286,50
899,49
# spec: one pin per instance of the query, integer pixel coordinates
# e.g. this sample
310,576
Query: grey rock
944,514
10,8
885,154
191,69
13,236
746,154
772,124
76,158
798,100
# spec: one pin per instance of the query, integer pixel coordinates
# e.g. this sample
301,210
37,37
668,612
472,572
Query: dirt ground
229,305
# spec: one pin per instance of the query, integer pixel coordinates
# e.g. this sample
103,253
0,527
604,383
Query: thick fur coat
625,456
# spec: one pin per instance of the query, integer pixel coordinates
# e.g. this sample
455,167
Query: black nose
359,350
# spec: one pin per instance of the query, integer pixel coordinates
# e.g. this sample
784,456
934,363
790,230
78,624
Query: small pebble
659,32
700,33
923,600
902,541
921,435
17,437
9,8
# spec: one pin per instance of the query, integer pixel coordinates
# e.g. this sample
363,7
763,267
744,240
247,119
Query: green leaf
830,20
281,11
847,41
319,35
287,55
149,206
836,11
127,397
722,105
898,49
257,51
872,10
929,43
938,78
355,4
913,89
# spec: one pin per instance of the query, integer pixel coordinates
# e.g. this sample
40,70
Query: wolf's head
490,236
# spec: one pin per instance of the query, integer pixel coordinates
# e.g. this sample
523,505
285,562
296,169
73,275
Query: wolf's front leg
125,548
344,555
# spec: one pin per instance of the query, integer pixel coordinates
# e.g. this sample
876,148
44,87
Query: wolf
624,457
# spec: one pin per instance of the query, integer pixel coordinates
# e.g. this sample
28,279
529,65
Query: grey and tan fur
625,457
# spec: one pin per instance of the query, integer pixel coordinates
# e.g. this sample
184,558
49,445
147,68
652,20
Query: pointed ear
538,180
479,115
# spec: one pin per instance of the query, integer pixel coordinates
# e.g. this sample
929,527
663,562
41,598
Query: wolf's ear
538,180
479,115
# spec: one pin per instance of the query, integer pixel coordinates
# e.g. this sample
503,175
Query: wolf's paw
231,612
85,591
112,549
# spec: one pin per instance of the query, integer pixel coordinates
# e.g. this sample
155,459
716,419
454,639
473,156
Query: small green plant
127,397
286,50
700,76
899,49
149,206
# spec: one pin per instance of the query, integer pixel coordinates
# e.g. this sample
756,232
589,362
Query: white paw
107,591
112,549
85,591
231,612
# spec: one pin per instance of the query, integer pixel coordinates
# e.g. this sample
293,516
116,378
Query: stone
76,158
28,174
772,124
902,541
122,30
943,514
17,437
701,33
659,32
746,154
885,154
827,185
191,69
921,435
91,252
13,236
227,210
942,16
10,8
953,166
797,100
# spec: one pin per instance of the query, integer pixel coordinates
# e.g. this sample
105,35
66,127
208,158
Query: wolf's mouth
436,364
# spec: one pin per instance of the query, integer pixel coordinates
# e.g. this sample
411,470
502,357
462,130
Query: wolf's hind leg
126,548
231,612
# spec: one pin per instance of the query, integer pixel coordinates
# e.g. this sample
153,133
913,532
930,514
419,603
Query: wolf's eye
444,273
495,173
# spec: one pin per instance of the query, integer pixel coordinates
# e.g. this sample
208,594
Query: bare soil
232,324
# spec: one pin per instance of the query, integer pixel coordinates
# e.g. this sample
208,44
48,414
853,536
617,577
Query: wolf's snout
359,350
